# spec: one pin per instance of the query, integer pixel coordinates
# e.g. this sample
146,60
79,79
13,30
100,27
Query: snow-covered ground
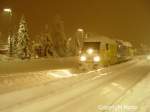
62,90
138,96
5,58
16,65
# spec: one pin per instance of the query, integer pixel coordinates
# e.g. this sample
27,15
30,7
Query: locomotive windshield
93,45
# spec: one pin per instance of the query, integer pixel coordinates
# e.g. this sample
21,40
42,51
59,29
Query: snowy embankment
138,96
14,66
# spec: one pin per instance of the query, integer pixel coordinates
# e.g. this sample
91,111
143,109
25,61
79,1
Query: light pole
80,38
8,11
81,31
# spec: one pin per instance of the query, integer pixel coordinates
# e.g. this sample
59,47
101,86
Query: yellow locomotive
103,51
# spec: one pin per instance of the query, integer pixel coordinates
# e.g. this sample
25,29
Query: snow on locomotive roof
96,38
125,43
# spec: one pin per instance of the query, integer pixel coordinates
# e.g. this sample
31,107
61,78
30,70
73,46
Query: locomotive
104,51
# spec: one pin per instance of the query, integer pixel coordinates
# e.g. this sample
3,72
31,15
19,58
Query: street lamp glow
7,10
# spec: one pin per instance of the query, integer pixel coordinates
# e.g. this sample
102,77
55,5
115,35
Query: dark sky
124,19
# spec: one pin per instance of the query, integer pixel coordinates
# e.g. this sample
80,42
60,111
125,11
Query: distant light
80,30
90,51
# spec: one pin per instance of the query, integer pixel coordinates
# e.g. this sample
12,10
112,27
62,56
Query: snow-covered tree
14,41
47,43
23,49
36,49
10,44
59,37
75,43
72,46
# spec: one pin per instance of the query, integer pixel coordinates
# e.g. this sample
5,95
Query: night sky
123,19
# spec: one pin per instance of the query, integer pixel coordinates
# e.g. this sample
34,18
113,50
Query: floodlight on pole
7,10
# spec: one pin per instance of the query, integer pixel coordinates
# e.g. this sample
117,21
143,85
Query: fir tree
59,37
75,43
47,43
14,43
23,50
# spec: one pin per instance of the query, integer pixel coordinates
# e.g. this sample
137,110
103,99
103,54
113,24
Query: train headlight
90,51
96,59
83,58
